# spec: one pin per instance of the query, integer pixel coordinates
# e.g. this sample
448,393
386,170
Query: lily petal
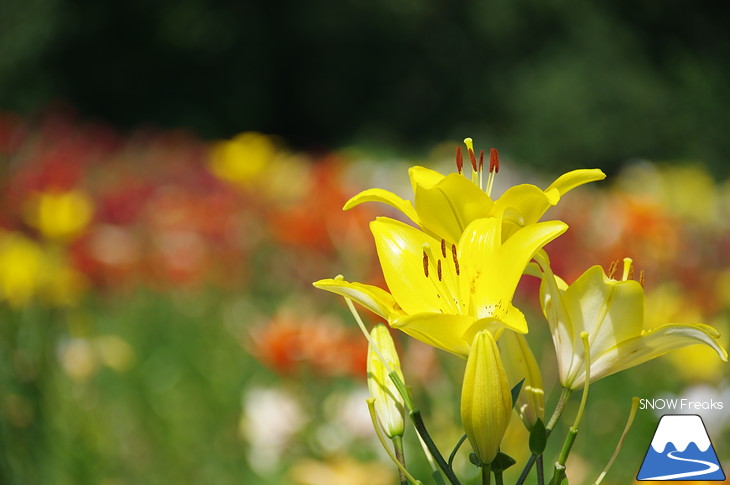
610,311
568,181
529,201
649,345
401,252
375,299
449,206
425,177
389,198
439,330
492,270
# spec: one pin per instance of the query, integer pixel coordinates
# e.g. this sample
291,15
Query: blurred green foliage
557,84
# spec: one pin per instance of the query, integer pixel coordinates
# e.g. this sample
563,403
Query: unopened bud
389,407
486,401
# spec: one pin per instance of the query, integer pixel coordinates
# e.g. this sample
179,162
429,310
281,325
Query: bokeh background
172,182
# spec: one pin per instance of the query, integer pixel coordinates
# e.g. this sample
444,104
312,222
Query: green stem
400,456
540,471
417,419
397,460
559,408
486,474
498,478
559,473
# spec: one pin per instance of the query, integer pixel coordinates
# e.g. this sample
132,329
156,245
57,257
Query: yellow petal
492,270
446,208
529,201
438,330
425,177
401,252
371,297
486,401
389,198
651,344
568,181
610,311
556,313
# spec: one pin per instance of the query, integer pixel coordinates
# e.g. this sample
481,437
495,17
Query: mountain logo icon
681,450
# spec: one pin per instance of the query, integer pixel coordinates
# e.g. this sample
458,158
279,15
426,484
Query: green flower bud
486,401
389,407
519,363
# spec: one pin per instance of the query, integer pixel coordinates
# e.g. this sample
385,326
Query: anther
438,269
481,160
631,273
425,264
612,269
459,160
456,260
470,148
443,248
641,277
493,160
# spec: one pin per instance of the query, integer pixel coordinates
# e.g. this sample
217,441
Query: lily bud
389,406
519,363
486,401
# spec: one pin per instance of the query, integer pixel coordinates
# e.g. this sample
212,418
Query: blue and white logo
681,450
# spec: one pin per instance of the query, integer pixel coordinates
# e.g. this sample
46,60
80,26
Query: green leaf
501,462
516,392
538,438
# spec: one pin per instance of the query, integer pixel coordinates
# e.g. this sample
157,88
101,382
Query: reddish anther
481,160
456,260
425,264
473,159
443,248
493,160
459,160
438,269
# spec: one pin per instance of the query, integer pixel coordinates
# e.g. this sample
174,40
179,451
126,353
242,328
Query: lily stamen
443,247
425,264
641,277
438,269
455,258
459,160
612,269
493,169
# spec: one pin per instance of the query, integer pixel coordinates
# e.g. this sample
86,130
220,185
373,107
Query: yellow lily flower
486,401
612,312
445,205
441,293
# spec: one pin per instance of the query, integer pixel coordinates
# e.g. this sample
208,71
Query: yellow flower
59,215
243,158
442,293
519,363
612,312
389,406
21,268
445,205
486,401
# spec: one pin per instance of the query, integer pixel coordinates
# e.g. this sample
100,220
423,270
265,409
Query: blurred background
172,180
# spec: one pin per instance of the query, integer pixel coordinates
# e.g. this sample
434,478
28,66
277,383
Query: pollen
481,161
438,269
425,264
493,160
456,260
459,160
641,277
443,248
